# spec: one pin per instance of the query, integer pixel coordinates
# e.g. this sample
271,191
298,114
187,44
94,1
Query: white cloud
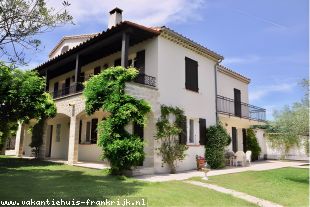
241,60
266,90
147,12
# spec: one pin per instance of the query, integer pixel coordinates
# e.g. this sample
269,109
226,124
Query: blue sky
265,40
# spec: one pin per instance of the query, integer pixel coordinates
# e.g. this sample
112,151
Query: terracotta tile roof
156,30
94,38
233,74
195,44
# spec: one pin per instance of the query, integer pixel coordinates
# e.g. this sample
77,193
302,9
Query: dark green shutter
202,131
234,139
191,74
93,136
183,134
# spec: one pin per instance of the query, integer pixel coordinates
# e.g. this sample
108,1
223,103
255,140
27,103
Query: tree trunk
172,168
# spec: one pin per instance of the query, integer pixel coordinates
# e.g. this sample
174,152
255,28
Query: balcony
231,107
76,88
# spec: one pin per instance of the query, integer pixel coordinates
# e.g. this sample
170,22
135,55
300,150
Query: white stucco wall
59,148
171,86
68,42
226,85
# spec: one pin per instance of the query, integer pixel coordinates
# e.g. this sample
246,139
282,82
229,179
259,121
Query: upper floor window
64,49
191,74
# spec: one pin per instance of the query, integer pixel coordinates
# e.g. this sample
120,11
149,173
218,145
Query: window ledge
189,90
194,145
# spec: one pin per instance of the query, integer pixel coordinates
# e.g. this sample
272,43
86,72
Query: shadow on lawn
54,181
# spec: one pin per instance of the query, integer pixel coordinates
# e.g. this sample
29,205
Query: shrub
252,144
217,140
171,149
106,91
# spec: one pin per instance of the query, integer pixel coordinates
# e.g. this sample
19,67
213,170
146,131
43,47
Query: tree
22,98
252,144
106,91
291,125
171,150
216,141
21,21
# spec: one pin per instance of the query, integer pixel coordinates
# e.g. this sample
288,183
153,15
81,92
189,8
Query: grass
285,186
30,179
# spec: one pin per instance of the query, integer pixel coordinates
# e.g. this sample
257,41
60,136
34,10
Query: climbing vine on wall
171,132
107,91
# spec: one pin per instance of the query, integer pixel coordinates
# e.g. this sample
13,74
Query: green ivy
171,150
217,140
252,144
107,91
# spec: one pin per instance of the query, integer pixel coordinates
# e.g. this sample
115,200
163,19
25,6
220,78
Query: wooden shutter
202,131
138,130
93,135
97,70
191,74
140,61
56,88
237,102
234,139
183,134
244,140
88,131
117,62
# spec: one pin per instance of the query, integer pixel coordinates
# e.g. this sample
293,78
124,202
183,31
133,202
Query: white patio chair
240,158
248,155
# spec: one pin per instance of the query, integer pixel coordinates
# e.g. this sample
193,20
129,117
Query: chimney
115,17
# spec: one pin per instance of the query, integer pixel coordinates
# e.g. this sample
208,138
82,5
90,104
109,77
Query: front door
234,139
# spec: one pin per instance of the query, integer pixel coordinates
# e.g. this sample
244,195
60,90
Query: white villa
173,70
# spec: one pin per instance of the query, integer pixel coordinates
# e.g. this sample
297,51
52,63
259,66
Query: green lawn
25,179
286,186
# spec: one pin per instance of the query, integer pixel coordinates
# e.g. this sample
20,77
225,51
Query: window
97,70
140,61
191,131
64,49
117,62
58,128
138,130
191,74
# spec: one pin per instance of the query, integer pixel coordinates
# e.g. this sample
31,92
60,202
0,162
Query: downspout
215,88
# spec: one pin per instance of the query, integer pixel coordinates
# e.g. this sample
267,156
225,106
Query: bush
217,140
252,144
106,91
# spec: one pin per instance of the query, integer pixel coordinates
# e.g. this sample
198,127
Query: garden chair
239,158
248,155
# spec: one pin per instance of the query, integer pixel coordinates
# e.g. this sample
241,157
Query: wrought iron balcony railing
75,88
146,80
231,107
78,87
